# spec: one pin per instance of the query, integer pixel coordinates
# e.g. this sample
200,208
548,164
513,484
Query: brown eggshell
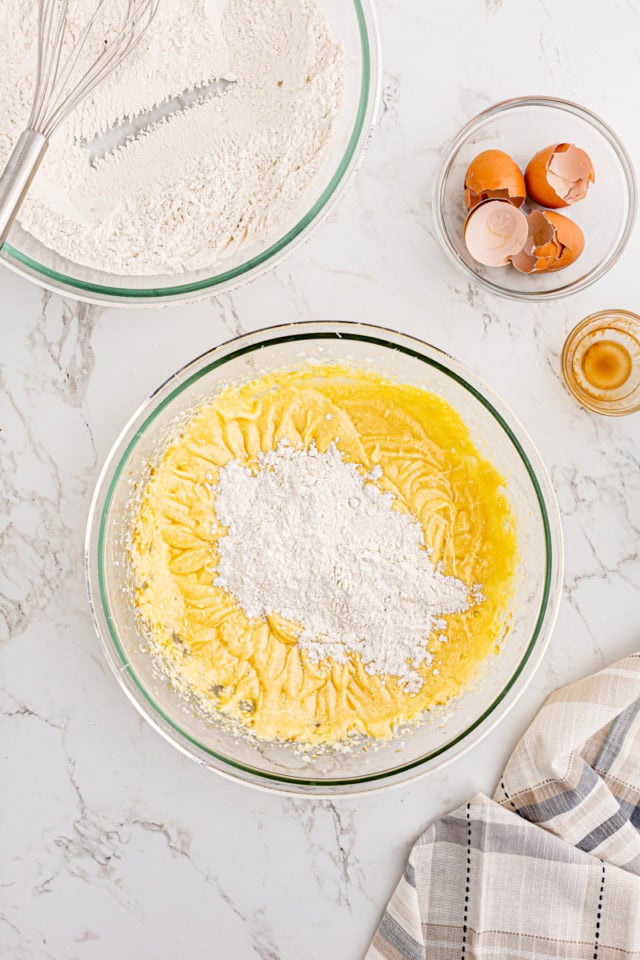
569,237
494,175
540,250
559,175
553,242
494,231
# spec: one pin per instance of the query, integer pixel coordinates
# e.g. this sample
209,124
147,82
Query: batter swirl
254,670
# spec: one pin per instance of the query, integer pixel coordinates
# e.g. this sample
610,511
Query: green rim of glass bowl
451,151
297,337
260,259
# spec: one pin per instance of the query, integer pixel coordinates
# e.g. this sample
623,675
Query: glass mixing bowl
445,733
353,24
521,127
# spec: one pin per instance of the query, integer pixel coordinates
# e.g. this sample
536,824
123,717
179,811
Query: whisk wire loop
62,81
108,61
58,90
50,37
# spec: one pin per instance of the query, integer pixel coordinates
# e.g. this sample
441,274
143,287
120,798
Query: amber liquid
606,365
601,362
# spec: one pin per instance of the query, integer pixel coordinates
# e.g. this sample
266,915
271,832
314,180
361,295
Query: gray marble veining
112,843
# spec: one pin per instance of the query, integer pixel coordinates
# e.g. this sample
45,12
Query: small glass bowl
619,332
521,127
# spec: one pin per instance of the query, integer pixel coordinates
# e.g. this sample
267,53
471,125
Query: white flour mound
205,181
312,539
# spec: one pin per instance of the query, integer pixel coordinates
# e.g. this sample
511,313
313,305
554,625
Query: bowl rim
456,143
228,280
115,464
603,407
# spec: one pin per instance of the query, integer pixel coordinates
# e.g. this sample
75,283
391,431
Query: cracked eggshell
569,237
559,175
553,243
494,175
494,232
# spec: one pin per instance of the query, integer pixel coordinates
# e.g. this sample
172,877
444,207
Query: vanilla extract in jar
601,362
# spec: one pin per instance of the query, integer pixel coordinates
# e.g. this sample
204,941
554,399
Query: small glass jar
601,362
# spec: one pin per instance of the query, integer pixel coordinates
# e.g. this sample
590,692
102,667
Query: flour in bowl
205,181
314,540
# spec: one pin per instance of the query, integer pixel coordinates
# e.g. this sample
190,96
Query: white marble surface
112,844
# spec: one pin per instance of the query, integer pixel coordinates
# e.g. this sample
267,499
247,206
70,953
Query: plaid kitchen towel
550,868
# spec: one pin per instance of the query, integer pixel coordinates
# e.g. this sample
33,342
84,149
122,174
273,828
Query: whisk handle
16,178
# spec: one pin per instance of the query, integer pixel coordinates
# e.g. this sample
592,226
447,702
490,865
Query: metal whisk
62,82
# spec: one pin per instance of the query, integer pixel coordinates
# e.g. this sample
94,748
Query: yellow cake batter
254,671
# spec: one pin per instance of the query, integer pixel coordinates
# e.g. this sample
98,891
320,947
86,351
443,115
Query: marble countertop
113,844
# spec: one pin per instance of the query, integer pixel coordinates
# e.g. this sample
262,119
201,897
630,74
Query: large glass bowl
521,127
445,733
353,25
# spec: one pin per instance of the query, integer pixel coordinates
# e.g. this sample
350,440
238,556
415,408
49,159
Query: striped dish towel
550,868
